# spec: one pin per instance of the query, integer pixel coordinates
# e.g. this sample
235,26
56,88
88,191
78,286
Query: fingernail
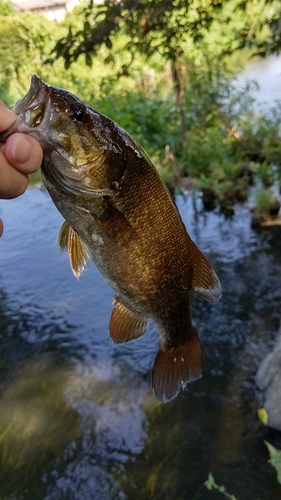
22,150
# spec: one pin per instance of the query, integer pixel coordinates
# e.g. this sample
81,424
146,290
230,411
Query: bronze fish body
119,213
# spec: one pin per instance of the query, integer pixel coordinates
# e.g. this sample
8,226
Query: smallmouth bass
119,214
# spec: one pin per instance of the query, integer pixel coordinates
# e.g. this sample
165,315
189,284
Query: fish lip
37,89
31,111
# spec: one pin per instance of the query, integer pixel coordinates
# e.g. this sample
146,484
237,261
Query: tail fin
175,367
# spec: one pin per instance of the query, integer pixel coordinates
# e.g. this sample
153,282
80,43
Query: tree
153,26
166,26
6,8
26,41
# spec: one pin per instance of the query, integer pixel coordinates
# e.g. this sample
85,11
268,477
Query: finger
23,152
1,227
7,117
12,182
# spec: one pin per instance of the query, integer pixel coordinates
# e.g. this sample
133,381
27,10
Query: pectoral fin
125,325
78,251
116,224
204,279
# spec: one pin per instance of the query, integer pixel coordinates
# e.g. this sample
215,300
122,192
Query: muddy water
78,420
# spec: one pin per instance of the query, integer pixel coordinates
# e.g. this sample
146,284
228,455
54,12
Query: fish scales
119,214
142,213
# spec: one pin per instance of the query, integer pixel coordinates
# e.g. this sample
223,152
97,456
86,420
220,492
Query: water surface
267,73
78,419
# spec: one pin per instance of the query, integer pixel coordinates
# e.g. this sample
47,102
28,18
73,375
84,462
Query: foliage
164,25
24,44
212,485
169,29
189,115
152,26
230,140
26,41
265,200
260,139
6,8
151,120
275,459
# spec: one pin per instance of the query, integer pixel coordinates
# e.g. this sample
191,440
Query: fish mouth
31,111
33,102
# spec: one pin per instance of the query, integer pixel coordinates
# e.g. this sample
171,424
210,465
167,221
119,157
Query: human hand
19,156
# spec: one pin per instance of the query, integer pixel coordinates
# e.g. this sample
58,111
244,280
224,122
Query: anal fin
175,367
125,325
77,250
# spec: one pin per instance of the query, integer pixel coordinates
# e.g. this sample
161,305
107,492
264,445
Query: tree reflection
63,427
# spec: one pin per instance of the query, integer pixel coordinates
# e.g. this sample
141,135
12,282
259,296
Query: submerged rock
268,379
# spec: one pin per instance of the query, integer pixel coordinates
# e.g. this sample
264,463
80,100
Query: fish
119,214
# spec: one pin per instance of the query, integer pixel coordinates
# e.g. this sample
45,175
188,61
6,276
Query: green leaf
275,459
210,483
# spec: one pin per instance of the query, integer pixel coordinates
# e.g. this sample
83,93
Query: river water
78,419
267,74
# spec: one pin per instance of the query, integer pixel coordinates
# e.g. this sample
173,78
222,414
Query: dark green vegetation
164,70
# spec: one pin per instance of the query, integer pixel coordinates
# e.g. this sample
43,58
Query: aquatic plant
212,485
275,461
266,207
266,201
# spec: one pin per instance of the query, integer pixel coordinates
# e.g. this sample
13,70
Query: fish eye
79,114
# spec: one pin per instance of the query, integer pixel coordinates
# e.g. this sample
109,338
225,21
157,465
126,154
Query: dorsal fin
125,325
204,282
78,252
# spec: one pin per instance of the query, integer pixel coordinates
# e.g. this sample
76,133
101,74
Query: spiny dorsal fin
125,325
78,251
175,367
204,279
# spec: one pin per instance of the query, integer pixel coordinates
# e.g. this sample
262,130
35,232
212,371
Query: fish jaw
37,93
35,116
